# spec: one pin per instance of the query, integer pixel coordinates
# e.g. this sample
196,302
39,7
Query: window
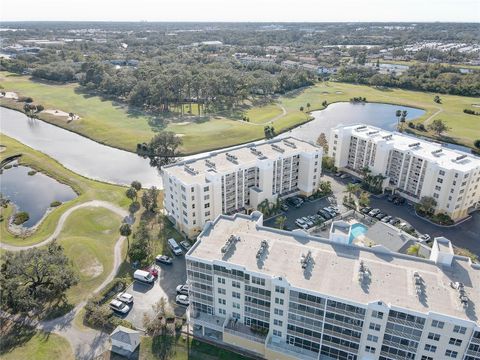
222,291
236,295
278,312
431,348
192,189
425,357
459,329
278,301
235,315
207,205
206,197
222,301
277,333
456,342
205,188
433,336
436,196
222,311
438,324
221,280
440,180
370,349
258,281
372,338
277,322
236,284
236,305
207,213
441,172
374,326
438,188
451,353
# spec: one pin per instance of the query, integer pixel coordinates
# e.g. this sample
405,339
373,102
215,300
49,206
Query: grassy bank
87,190
114,124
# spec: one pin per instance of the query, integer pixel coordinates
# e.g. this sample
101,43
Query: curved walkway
86,343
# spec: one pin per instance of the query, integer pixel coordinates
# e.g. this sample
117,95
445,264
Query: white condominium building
414,168
289,295
238,180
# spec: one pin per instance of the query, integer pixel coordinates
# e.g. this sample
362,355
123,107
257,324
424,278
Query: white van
143,276
175,247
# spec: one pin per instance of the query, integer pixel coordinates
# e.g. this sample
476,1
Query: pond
32,193
77,153
344,113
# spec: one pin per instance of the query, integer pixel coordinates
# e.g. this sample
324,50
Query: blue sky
242,10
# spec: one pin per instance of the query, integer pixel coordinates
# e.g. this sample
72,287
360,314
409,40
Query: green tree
323,142
126,230
398,114
308,106
140,248
301,108
136,185
476,143
364,199
437,99
131,193
426,205
150,199
325,187
163,148
438,126
280,222
351,190
33,278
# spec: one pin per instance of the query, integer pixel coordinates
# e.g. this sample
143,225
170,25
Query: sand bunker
10,95
61,113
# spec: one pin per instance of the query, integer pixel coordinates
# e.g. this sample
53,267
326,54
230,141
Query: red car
152,270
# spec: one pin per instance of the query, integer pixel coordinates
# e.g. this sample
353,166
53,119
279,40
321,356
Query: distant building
289,64
125,341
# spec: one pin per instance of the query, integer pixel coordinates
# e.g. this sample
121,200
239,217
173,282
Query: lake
32,193
77,153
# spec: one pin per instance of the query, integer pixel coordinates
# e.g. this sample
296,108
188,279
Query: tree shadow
14,334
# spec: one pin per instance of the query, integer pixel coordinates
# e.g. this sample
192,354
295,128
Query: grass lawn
198,351
87,190
88,238
41,346
111,123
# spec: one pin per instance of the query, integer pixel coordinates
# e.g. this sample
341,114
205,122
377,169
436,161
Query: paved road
86,343
145,296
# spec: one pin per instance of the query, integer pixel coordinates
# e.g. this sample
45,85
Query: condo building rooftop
428,150
195,170
348,272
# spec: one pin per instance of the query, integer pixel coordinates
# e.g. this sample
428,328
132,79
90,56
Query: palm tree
398,114
365,171
126,230
413,249
280,221
364,199
351,189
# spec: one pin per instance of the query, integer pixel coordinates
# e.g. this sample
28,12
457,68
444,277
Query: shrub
55,203
20,218
31,172
40,108
420,127
411,125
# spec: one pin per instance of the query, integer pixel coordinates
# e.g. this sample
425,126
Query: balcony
207,320
279,345
238,329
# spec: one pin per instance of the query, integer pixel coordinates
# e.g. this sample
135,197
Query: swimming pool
356,230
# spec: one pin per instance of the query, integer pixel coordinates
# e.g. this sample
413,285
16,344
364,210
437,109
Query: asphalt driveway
147,295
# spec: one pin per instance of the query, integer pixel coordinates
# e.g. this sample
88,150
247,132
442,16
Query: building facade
238,180
288,295
413,168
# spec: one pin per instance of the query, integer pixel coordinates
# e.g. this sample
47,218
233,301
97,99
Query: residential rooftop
428,150
194,170
334,269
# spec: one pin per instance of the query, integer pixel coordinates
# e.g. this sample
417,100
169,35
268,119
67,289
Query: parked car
143,276
394,221
374,212
399,200
324,214
356,181
425,237
125,297
366,210
152,270
182,289
164,259
295,201
380,216
307,221
301,224
344,176
174,246
331,210
338,174
182,299
284,207
185,244
391,197
386,219
118,306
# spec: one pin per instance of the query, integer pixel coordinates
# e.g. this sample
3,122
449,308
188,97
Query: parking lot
169,276
465,235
